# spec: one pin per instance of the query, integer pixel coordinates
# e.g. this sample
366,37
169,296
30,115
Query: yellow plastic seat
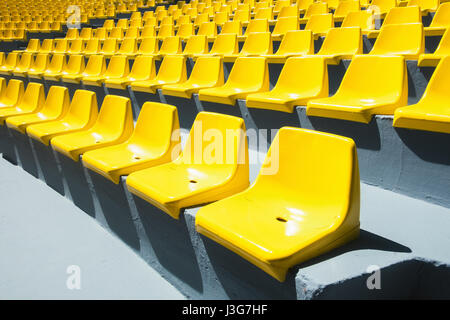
202,173
195,45
166,30
284,25
116,33
207,73
248,75
426,6
443,50
303,5
440,22
225,44
363,19
169,46
31,101
208,29
32,46
128,47
118,67
344,8
171,71
152,143
291,89
72,33
279,5
265,13
148,46
258,43
255,25
82,115
314,8
407,40
114,125
86,33
74,66
131,33
320,24
11,94
147,32
294,43
75,46
57,63
232,27
10,63
432,112
341,43
95,67
243,16
220,18
143,69
381,7
61,46
38,66
399,15
109,48
309,206
23,65
100,34
55,107
372,85
200,19
185,31
92,47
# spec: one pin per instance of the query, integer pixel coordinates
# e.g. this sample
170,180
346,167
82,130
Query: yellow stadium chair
199,19
23,65
71,34
75,46
443,50
131,33
143,69
61,46
206,73
165,31
81,116
248,75
381,7
292,90
118,67
185,31
74,66
95,67
148,32
195,45
400,15
101,34
38,66
313,9
128,47
10,63
440,22
407,40
372,85
255,25
148,46
341,43
243,16
46,46
31,101
114,125
258,43
86,33
55,108
284,25
11,94
309,206
220,18
225,44
171,71
232,27
432,112
32,46
294,43
426,6
92,47
169,46
55,67
116,33
363,19
320,24
208,29
109,48
196,176
344,8
152,143
108,24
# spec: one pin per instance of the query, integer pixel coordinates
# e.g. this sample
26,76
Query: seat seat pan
115,161
175,185
184,90
10,112
434,116
74,144
150,86
349,108
279,101
20,123
430,59
44,132
225,94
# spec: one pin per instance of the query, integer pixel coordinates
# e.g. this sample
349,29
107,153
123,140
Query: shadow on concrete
25,153
115,209
171,243
242,280
187,110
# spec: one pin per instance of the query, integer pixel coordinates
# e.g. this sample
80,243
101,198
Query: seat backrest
109,46
143,68
172,67
401,15
284,25
25,60
316,8
363,19
320,23
171,45
47,45
57,102
208,29
442,16
225,44
57,63
11,59
196,44
444,44
115,116
249,72
118,67
14,91
345,7
258,43
60,45
425,4
129,45
264,13
400,38
75,64
83,107
186,30
233,27
165,30
257,25
40,62
92,46
297,41
207,70
341,41
76,45
33,45
86,33
33,98
96,65
148,46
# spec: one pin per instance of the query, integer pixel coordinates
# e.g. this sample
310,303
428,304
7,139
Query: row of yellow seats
373,94
13,35
295,226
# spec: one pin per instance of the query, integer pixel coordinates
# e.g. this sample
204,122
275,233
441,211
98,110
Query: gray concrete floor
42,234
